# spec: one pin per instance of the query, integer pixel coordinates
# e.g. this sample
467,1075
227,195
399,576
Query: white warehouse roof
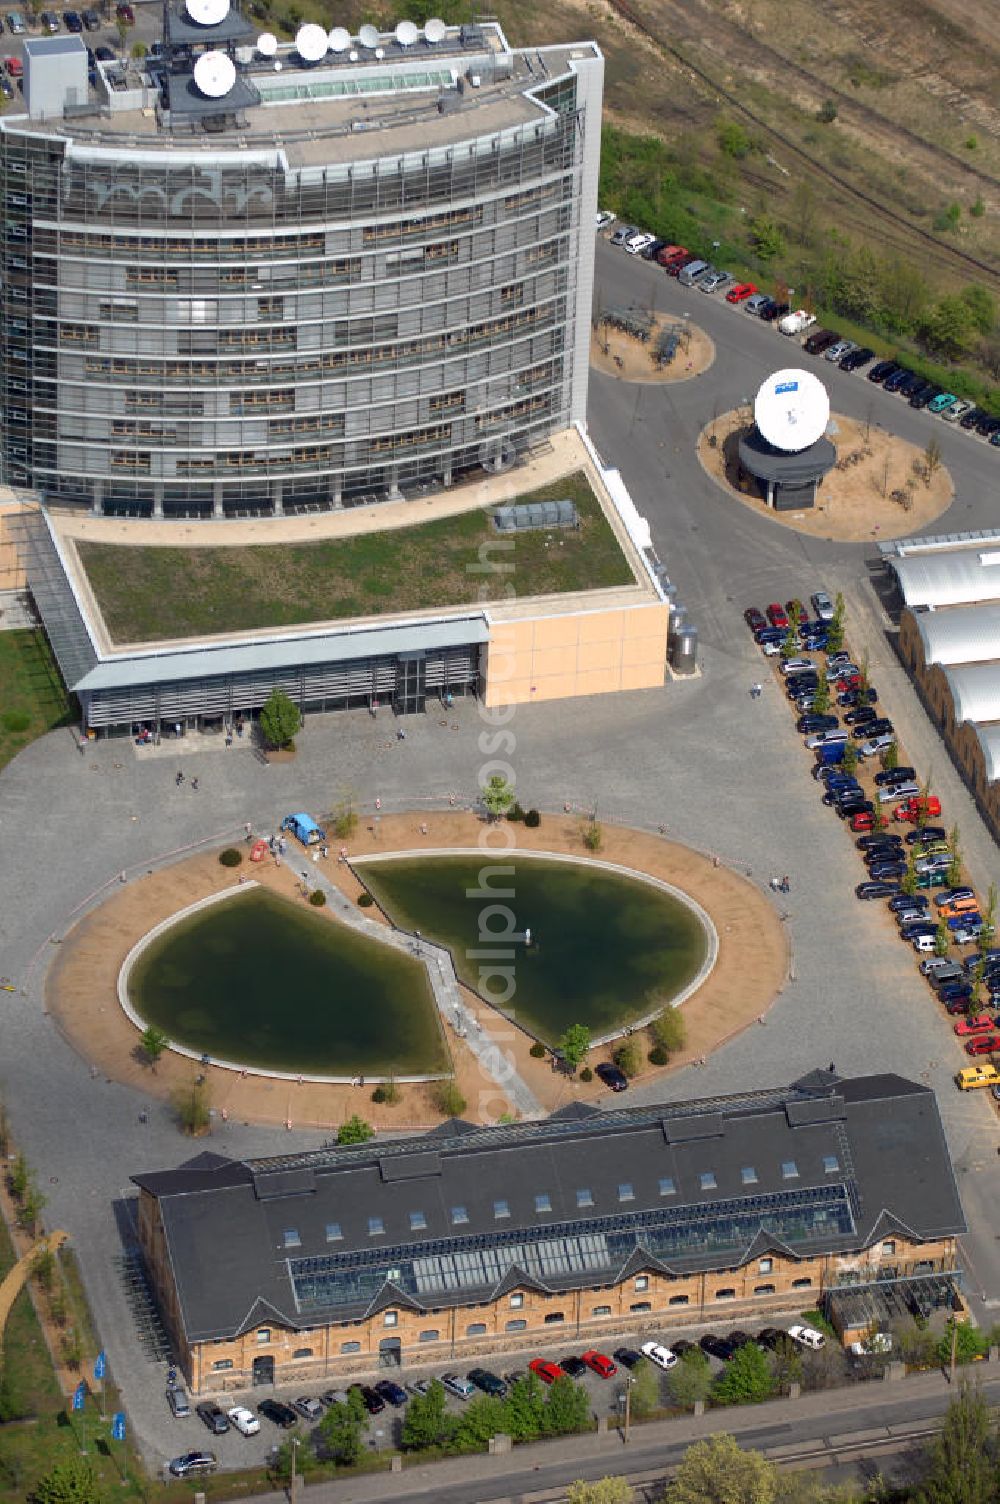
975,692
989,740
966,634
952,577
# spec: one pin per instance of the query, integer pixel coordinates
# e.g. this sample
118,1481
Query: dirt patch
628,358
81,989
881,486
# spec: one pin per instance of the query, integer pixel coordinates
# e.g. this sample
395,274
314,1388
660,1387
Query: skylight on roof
459,1214
831,1164
543,1202
375,1226
667,1187
333,1232
625,1191
789,1170
584,1198
708,1180
291,1238
417,1221
501,1209
748,1175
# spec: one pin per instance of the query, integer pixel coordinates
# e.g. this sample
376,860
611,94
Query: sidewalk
490,1474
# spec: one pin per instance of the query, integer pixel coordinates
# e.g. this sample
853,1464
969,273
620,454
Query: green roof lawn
147,593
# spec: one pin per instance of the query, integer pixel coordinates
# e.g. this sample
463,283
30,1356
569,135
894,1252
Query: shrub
230,857
592,836
355,1131
586,1074
15,720
827,112
378,1095
668,1029
317,898
537,1051
386,1092
658,1055
628,1057
449,1100
532,819
365,900
344,819
279,719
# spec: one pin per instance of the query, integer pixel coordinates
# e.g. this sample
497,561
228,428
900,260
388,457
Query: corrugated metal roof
281,654
989,740
965,634
975,692
957,577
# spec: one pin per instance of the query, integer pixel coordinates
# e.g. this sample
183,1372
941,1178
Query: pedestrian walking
248,830
179,779
194,784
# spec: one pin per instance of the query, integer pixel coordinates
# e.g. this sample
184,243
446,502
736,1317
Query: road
876,1422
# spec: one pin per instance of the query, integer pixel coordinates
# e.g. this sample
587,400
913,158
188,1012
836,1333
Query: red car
740,292
14,66
863,820
853,681
978,1025
669,253
918,810
599,1363
776,616
986,1044
125,13
546,1371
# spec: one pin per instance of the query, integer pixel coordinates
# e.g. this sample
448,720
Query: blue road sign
118,1426
79,1395
100,1364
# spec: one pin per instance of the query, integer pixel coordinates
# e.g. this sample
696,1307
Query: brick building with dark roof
470,1239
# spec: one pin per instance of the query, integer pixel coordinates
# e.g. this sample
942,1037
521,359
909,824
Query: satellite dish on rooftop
435,30
267,44
310,42
207,12
406,33
368,37
339,39
214,74
792,410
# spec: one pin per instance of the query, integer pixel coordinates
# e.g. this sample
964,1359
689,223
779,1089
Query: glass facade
207,336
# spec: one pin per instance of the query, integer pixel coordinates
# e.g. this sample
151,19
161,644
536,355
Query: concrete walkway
494,1062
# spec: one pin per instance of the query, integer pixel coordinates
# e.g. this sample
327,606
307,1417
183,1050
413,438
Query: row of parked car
888,857
74,20
692,270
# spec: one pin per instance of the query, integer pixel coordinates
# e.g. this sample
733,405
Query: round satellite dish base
786,480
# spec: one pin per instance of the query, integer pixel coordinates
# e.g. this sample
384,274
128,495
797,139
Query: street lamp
293,1489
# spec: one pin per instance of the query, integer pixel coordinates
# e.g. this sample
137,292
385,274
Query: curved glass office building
346,280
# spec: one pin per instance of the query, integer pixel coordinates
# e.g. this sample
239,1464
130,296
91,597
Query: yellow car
977,1075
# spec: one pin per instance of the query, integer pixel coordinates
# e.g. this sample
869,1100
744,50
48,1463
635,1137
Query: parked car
798,665
72,21
875,1344
486,1380
881,370
603,218
756,303
823,606
755,618
812,721
716,1347
457,1385
49,21
14,67
943,402
911,900
191,1463
922,832
958,409
807,1336
599,1363
820,341
180,1407
546,1371
279,1413
975,1076
741,292
776,615
980,1023
611,1076
917,809
310,1409
627,1356
861,715
124,12
573,1366
622,234
838,350
985,1044
16,23
795,323
215,1419
895,379
341,1397
637,243
244,1420
91,20
877,744
857,358
714,280
952,895
660,1355
890,776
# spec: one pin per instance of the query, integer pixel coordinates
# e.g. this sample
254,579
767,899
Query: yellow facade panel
551,660
599,626
643,676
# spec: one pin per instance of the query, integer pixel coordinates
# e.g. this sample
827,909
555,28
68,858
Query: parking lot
147,28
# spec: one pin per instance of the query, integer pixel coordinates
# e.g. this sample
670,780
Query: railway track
950,254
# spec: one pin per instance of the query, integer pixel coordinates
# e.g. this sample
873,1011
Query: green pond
605,949
256,981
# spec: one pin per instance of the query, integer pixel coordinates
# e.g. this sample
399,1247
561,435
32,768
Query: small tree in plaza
850,761
645,1381
989,919
790,644
942,938
153,1042
279,719
575,1044
628,1057
192,1106
669,1030
821,698
890,757
498,796
355,1131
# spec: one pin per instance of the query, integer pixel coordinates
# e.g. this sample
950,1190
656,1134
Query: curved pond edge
516,853
128,1009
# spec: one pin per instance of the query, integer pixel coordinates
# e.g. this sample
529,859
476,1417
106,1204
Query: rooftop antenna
214,74
310,42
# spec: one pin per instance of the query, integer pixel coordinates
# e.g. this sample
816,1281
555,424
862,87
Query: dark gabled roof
464,1213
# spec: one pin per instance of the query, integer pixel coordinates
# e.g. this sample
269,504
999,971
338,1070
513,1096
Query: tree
19,1177
786,1363
989,919
344,818
122,26
343,1428
645,1388
767,238
32,1204
942,938
355,1131
70,1482
960,1469
448,1099
191,1104
850,758
932,458
890,757
480,1419
790,643
525,1408
567,1408
821,698
948,328
835,630
281,1464
153,1042
498,796
426,1422
628,1057
691,1380
969,1343
279,719
908,882
979,302
733,139
603,1491
717,1471
669,1030
575,1044
746,1379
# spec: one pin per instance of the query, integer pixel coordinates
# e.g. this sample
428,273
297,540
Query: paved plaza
698,758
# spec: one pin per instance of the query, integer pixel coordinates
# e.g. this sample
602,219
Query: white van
690,274
924,944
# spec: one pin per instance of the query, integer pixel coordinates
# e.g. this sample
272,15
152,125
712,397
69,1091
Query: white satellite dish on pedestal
406,33
310,42
792,410
339,39
435,30
267,44
207,12
368,37
214,74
